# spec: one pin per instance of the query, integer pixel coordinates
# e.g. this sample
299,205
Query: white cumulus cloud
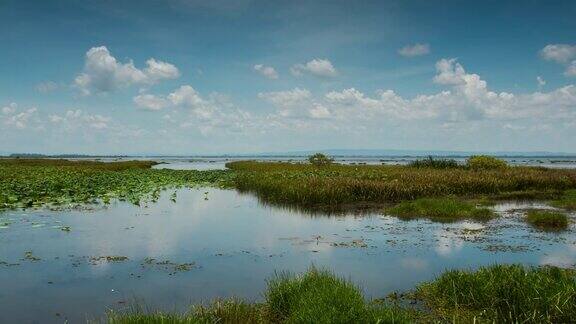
103,73
317,67
561,53
267,71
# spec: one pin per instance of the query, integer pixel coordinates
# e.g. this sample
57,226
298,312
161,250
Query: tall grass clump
431,162
321,297
503,294
440,209
568,200
547,219
485,162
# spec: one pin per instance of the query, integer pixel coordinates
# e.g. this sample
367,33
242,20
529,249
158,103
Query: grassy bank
308,185
503,294
34,182
499,294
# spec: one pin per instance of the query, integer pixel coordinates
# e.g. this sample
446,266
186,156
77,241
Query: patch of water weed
29,256
503,294
167,265
108,258
440,209
547,219
37,182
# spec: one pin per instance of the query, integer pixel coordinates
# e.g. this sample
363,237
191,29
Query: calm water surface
219,243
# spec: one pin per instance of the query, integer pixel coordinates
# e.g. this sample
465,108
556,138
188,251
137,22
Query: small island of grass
440,209
547,219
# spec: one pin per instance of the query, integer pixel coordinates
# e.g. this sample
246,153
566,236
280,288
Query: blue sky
206,77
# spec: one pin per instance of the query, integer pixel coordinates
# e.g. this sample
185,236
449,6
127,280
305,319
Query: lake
71,265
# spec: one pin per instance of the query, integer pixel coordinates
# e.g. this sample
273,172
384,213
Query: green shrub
503,294
485,162
430,162
320,160
441,209
546,219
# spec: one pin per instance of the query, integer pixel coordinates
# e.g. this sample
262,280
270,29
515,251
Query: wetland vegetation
495,294
331,185
547,219
440,209
36,182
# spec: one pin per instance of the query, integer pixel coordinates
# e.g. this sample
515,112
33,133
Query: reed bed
307,185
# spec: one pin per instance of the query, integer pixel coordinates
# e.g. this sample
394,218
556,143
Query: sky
248,76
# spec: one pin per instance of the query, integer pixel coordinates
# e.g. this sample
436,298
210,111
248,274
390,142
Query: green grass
220,311
306,185
503,294
547,219
495,294
321,297
316,296
567,201
440,209
37,182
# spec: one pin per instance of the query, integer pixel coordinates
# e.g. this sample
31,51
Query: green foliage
485,162
568,200
547,219
321,297
503,294
30,183
430,162
440,209
308,186
320,160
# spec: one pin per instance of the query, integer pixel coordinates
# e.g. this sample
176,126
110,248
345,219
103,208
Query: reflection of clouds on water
448,243
414,263
561,258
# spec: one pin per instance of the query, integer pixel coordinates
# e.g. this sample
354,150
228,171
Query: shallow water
219,243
